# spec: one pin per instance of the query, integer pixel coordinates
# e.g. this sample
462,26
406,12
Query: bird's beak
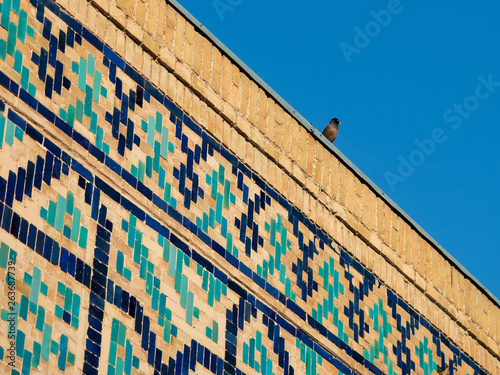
340,123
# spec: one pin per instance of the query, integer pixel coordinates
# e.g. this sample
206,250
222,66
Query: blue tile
92,39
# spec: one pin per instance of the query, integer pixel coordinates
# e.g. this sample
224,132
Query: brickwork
160,212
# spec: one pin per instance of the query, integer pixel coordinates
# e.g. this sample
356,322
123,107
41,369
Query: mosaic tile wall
138,243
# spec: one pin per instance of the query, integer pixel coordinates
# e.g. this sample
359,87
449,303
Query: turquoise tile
47,336
4,20
36,354
229,243
119,366
142,169
18,61
155,299
97,86
2,127
9,133
87,107
71,115
151,131
217,290
222,171
167,331
82,74
82,242
71,358
180,261
184,290
149,166
122,330
63,348
67,232
162,303
43,213
119,262
178,282
128,358
19,133
20,343
223,228
204,284
40,318
21,26
61,209
161,177
68,299
213,192
258,339
172,261
3,49
31,89
215,331
23,308
79,110
115,325
25,370
51,216
35,285
59,312
227,187
245,353
189,308
63,114
32,307
159,122
11,39
166,194
54,347
156,159
4,255
70,201
61,288
93,122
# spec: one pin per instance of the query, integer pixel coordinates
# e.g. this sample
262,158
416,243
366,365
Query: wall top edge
319,137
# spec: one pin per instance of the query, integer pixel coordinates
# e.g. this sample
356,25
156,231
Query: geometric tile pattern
219,273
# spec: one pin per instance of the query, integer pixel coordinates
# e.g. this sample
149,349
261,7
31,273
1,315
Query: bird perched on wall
332,129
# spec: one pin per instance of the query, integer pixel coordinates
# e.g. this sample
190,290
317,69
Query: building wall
161,212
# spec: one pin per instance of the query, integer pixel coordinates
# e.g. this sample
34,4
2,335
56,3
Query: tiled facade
156,218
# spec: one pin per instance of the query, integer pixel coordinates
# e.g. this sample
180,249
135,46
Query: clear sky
416,85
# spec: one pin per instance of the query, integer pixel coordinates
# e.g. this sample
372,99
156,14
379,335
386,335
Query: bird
332,129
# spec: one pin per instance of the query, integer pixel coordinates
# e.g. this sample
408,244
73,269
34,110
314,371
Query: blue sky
416,85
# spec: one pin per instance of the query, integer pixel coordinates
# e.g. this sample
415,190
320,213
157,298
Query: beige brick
141,13
161,23
151,45
226,78
180,30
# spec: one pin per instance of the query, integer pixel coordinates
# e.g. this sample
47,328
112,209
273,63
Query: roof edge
310,128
